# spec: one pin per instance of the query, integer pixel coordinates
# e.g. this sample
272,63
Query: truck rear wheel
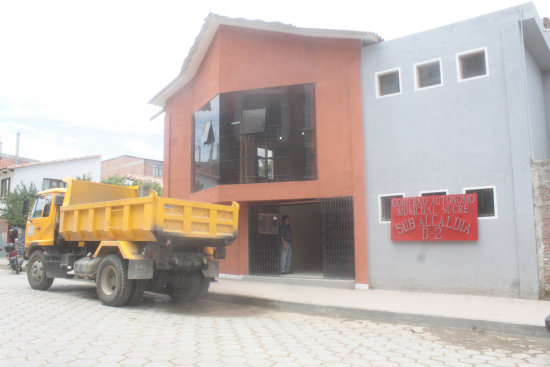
138,288
190,289
205,285
113,286
36,272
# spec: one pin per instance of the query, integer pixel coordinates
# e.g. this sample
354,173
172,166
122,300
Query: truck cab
43,217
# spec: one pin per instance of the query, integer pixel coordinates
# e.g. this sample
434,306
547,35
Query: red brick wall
541,196
3,232
123,166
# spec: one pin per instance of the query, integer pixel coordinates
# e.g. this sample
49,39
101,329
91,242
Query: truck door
41,222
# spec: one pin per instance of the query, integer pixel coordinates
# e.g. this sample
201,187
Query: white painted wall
57,170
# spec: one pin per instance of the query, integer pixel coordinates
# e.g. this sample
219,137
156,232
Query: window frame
157,168
377,82
7,187
464,189
446,191
417,86
53,180
459,73
380,196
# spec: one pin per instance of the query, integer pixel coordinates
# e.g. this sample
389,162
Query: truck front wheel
189,290
113,286
36,272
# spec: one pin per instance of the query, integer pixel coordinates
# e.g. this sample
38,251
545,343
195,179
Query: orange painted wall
241,59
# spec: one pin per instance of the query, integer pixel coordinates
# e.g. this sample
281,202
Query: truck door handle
37,228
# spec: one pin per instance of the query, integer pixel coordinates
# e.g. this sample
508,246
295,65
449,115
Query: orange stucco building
313,172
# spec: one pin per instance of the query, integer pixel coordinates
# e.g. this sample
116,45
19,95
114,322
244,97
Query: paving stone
159,333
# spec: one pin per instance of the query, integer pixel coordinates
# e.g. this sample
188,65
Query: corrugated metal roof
210,27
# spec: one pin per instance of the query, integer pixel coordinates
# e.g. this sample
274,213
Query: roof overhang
213,22
537,41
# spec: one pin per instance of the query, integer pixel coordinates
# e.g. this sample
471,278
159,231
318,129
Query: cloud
37,144
143,149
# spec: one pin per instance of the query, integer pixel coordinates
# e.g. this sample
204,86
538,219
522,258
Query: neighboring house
269,115
50,174
46,175
133,168
459,109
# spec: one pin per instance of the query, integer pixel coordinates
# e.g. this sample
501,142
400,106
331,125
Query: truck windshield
41,203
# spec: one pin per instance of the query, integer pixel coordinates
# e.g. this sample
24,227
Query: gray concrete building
459,109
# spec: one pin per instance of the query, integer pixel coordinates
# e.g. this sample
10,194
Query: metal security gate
337,236
263,248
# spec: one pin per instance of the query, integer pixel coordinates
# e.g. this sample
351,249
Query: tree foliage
84,177
11,205
144,185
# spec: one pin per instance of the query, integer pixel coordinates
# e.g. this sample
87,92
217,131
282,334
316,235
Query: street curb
532,331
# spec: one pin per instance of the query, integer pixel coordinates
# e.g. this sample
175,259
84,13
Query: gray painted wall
462,134
546,87
535,99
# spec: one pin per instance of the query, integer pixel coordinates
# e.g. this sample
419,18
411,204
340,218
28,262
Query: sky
76,76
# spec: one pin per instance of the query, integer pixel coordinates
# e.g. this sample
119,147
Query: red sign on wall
434,218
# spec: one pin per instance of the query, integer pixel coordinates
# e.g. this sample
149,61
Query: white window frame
432,191
469,52
377,82
494,199
427,62
380,196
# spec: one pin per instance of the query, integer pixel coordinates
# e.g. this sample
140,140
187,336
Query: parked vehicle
13,257
126,243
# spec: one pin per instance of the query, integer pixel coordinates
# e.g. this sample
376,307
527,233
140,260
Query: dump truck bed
127,217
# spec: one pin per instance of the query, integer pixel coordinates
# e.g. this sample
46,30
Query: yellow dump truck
126,243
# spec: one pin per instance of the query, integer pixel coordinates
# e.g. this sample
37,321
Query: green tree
11,205
84,177
116,179
144,185
147,185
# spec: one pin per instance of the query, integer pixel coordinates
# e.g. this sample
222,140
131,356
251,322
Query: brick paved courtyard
68,326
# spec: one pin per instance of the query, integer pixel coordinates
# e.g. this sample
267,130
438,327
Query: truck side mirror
25,206
58,200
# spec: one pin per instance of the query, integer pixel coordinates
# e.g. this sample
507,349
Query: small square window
428,74
385,206
472,64
388,83
486,203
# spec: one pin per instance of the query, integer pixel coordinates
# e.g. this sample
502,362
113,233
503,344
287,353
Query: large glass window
264,135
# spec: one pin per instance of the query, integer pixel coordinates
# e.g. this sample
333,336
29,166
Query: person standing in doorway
285,234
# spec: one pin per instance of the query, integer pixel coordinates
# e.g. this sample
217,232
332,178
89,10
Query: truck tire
205,285
112,283
36,272
138,288
190,291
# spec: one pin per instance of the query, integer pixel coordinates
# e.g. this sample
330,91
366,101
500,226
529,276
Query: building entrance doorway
307,250
323,237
